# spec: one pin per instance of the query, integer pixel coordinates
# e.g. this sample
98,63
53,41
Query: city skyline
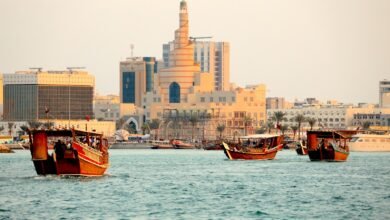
328,50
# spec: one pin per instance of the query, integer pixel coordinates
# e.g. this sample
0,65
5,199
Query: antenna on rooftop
132,50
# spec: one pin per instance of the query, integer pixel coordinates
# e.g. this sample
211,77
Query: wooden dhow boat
301,148
162,145
180,144
254,147
75,152
328,145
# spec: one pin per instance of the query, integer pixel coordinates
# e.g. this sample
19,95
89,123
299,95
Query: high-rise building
136,78
384,94
213,57
37,95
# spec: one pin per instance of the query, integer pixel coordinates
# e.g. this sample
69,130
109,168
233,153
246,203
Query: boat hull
239,155
78,158
301,151
328,155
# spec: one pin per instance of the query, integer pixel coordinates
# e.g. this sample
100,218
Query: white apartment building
328,116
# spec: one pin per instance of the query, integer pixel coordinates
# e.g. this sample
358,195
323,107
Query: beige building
277,103
136,78
182,91
67,94
384,94
106,108
1,96
213,57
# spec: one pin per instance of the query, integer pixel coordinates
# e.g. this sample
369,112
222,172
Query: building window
174,93
202,99
128,79
211,99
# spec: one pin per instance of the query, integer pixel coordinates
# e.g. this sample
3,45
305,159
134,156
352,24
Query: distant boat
213,145
328,145
370,143
162,145
254,147
75,152
131,145
180,144
5,149
300,148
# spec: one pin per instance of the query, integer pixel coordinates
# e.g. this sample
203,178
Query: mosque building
181,91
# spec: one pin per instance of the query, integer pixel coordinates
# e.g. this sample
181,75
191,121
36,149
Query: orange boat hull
79,159
238,155
331,155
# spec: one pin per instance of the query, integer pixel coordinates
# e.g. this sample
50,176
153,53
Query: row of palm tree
279,116
25,128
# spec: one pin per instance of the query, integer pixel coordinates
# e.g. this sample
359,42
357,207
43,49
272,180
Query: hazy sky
329,49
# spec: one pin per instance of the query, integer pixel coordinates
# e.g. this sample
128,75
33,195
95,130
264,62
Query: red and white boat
254,147
76,152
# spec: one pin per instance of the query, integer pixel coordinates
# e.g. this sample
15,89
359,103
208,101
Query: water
195,184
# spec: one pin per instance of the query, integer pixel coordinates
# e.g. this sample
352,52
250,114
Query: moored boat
370,143
5,149
254,147
75,152
328,145
163,145
301,148
179,144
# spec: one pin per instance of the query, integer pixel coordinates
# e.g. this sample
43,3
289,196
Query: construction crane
195,38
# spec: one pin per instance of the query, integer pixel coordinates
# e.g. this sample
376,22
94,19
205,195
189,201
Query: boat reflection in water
75,152
254,147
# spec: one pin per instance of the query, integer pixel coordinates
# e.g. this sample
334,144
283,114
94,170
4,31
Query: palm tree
279,117
144,128
1,129
261,130
366,125
10,126
220,129
34,124
24,128
270,125
120,122
294,128
194,121
283,128
247,122
155,125
299,119
48,124
312,122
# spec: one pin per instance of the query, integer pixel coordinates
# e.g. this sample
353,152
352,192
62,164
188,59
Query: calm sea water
196,184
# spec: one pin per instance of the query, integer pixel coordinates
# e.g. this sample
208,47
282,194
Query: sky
327,49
